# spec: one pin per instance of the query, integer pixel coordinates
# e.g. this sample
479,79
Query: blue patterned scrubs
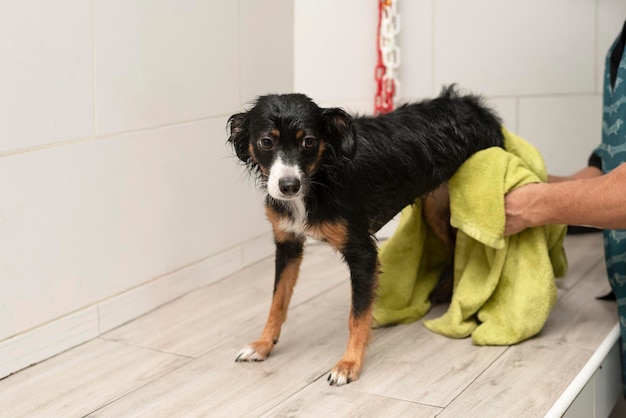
612,152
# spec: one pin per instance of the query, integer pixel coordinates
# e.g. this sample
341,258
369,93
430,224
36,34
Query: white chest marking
297,223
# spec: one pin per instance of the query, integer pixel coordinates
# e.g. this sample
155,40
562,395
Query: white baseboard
63,333
43,342
133,303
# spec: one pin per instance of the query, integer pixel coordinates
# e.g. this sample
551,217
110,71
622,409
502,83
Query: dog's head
286,138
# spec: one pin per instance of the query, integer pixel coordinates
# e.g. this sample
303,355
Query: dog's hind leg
436,214
289,250
362,258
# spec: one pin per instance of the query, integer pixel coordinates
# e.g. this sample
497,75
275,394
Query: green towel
504,287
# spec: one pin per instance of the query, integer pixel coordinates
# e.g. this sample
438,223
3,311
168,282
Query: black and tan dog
340,178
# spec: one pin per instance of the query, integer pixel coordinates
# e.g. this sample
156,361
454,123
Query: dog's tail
477,102
450,92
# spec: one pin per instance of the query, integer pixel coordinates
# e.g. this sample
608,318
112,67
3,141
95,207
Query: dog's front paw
344,372
257,351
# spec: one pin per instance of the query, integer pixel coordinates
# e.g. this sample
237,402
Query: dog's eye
309,142
266,144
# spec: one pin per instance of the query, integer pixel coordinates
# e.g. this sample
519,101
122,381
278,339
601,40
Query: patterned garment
612,152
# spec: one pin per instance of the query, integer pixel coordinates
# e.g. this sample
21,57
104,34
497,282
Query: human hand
518,205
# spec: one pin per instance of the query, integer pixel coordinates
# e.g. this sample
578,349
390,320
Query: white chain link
390,51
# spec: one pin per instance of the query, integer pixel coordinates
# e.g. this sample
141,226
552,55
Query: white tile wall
506,107
46,73
610,19
266,65
335,49
164,61
118,190
416,43
565,129
91,220
537,63
515,48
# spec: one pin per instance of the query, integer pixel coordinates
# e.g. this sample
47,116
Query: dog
339,178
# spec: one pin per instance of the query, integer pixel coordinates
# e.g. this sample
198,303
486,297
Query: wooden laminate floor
178,360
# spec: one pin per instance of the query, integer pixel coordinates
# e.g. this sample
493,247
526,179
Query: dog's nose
289,185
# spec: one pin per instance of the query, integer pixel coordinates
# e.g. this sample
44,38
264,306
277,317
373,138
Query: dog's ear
239,135
339,131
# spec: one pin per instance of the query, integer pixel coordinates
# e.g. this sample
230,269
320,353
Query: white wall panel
46,73
510,47
164,61
416,44
266,47
87,221
565,129
335,49
610,20
506,108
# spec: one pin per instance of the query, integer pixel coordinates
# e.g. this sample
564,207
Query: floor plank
321,400
81,380
579,319
583,253
524,382
313,340
414,364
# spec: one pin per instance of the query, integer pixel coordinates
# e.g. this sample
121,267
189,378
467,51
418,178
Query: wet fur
362,171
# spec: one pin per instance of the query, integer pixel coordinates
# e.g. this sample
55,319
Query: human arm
596,200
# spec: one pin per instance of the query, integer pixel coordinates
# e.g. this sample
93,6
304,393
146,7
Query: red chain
385,89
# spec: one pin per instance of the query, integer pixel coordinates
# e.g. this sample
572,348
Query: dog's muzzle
285,181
